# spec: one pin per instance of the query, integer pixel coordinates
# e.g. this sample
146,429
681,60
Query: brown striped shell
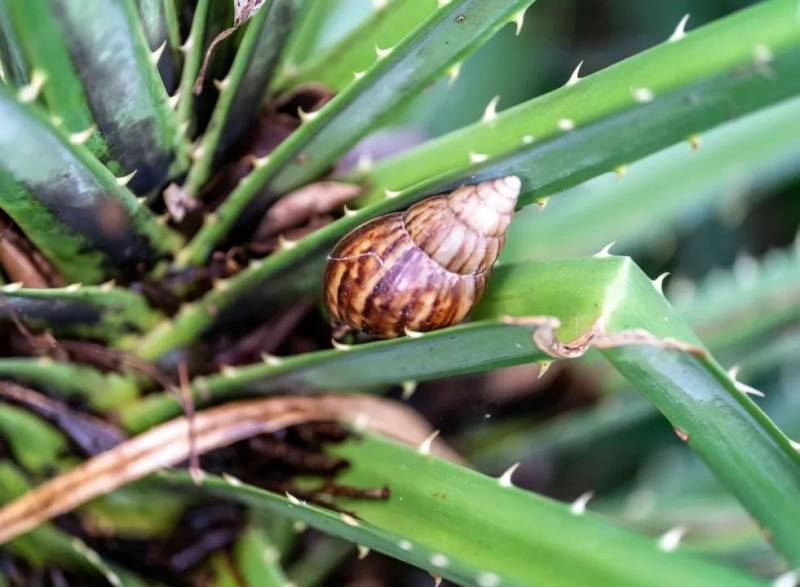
424,268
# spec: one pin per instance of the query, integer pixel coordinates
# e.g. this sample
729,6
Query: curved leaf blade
242,89
437,519
68,204
619,114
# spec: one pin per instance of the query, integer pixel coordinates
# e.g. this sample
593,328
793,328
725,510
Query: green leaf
386,27
727,310
68,204
160,24
102,391
453,31
306,38
608,303
257,559
321,560
463,349
687,99
679,183
242,89
619,114
96,312
99,75
13,67
470,529
35,444
47,544
210,18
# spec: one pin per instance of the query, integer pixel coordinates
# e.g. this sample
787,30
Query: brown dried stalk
170,444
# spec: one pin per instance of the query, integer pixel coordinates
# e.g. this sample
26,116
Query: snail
424,268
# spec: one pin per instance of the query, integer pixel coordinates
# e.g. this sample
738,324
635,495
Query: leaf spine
31,91
155,56
505,479
605,251
680,30
578,507
425,446
490,112
575,77
671,539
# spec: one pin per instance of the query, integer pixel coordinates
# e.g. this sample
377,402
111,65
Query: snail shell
424,268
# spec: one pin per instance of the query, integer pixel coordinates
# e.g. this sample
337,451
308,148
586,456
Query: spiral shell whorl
464,231
422,269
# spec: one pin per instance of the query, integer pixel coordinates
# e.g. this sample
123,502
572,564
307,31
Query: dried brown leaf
170,444
243,10
298,207
19,267
179,203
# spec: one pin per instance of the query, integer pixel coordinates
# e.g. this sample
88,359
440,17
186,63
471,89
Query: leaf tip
126,179
383,53
79,138
270,360
487,579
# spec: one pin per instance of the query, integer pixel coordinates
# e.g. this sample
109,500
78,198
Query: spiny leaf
579,131
48,545
610,304
462,349
99,78
160,24
728,313
449,520
679,184
168,444
93,312
386,27
397,75
70,206
210,18
687,99
242,89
